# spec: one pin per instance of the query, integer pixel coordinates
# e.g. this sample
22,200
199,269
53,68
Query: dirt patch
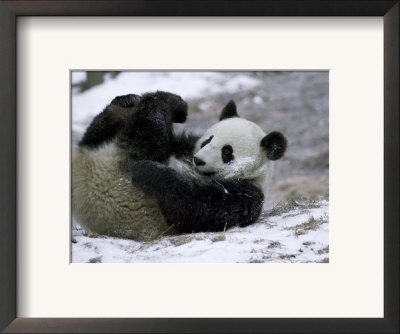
274,244
95,260
180,240
311,224
323,250
218,238
292,204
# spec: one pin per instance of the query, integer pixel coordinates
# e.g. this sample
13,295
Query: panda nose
198,162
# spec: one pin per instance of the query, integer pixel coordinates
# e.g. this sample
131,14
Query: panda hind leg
148,134
126,101
110,121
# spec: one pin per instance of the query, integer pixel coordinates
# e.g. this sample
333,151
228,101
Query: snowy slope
298,232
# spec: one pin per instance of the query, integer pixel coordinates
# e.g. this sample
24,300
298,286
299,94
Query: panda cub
128,180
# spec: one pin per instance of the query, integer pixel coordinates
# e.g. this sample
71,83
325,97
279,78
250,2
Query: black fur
192,205
108,123
133,119
148,133
207,141
227,153
229,111
183,145
275,143
126,101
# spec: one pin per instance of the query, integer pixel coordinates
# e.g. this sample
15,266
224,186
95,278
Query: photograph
199,166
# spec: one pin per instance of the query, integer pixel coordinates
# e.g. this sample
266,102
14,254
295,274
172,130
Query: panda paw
175,104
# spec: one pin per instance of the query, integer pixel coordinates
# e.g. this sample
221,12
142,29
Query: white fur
250,159
104,200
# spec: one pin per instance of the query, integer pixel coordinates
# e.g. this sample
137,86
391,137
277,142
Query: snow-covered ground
295,103
298,232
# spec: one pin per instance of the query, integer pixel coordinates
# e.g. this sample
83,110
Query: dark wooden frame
9,10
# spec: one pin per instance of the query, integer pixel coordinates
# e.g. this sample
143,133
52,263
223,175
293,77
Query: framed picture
311,68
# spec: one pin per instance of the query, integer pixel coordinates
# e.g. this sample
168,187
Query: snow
271,239
258,99
78,77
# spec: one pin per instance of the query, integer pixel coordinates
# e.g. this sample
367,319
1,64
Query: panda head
237,148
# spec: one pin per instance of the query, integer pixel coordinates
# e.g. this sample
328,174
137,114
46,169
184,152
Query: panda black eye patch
207,141
227,153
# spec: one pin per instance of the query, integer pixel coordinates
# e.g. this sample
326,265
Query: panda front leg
148,133
191,205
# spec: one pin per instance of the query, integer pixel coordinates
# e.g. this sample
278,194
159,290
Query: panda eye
227,153
227,149
207,141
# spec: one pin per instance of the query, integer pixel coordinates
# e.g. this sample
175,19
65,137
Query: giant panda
133,177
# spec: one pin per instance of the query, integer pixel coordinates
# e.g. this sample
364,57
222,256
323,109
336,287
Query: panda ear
275,144
229,111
